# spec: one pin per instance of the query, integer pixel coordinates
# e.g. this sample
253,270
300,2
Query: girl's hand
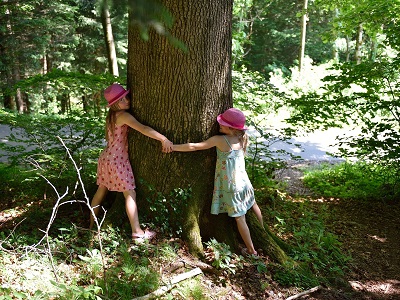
166,146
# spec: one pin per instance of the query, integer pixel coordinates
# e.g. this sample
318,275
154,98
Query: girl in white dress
233,192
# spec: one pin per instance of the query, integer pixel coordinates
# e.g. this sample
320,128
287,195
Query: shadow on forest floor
369,232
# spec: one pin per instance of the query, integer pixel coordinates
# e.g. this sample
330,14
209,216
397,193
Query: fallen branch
162,290
304,293
206,268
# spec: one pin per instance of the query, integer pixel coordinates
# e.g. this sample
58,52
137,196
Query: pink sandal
140,238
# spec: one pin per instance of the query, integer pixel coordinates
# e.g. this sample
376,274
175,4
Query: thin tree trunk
347,48
359,41
303,27
109,39
374,47
9,100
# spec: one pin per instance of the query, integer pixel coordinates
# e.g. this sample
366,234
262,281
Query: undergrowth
315,251
354,180
77,269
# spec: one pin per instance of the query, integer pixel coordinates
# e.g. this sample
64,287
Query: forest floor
369,233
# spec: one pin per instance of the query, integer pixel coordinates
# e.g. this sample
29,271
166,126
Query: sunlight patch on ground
377,238
387,287
29,274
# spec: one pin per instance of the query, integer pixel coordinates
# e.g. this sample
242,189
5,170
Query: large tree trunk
180,95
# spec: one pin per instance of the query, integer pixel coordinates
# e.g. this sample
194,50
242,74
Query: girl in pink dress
114,171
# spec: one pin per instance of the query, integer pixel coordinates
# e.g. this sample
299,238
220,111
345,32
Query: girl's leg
96,201
132,212
258,214
245,233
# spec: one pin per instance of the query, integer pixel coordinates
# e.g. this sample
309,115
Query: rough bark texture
180,95
109,39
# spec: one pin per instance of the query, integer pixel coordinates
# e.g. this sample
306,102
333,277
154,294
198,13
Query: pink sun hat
114,93
233,118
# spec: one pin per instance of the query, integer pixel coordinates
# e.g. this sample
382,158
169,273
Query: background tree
109,39
303,26
363,93
38,37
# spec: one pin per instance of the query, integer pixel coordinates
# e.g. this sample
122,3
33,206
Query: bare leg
257,211
96,202
132,212
245,233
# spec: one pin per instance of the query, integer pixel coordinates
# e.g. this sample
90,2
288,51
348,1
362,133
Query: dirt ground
369,233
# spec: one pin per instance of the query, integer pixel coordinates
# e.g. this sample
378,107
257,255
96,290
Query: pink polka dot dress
114,170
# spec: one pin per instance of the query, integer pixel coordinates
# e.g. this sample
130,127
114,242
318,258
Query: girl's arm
128,119
214,141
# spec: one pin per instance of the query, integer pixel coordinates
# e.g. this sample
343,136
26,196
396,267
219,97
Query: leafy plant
363,97
90,292
222,256
316,252
166,211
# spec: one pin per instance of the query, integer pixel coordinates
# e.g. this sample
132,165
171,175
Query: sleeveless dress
114,170
233,192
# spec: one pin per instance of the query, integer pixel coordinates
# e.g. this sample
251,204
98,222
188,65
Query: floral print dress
114,170
233,192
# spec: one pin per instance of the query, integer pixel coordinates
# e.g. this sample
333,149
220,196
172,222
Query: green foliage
299,276
60,81
316,252
266,35
152,14
166,211
192,289
77,292
253,95
359,180
79,268
63,36
34,143
318,248
363,96
129,270
223,258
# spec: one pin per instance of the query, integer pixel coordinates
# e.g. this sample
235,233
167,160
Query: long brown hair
243,137
111,119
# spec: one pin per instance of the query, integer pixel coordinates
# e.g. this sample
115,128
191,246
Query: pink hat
114,93
233,118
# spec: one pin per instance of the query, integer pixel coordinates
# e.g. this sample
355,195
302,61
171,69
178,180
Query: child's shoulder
218,137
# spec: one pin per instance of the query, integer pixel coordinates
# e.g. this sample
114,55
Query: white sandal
140,238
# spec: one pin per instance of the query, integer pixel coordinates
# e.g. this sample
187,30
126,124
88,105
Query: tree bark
303,27
180,95
359,41
109,39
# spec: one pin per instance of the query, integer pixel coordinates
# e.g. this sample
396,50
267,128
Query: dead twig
162,290
314,289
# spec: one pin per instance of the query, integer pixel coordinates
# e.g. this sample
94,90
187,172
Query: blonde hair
111,119
243,137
